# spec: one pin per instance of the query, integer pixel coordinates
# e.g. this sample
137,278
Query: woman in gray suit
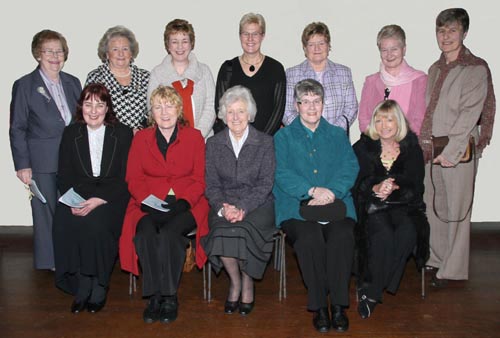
42,105
239,176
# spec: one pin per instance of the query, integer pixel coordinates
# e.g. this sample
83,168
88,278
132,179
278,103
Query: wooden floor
30,305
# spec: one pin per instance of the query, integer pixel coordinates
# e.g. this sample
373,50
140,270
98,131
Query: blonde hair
167,94
388,108
250,18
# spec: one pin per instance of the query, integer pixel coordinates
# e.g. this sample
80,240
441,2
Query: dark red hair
100,92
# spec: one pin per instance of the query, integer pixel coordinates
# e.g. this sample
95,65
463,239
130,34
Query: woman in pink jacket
395,80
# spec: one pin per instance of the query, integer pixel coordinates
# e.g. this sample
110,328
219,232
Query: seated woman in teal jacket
315,171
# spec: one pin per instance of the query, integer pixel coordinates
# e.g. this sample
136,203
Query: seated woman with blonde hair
389,200
167,161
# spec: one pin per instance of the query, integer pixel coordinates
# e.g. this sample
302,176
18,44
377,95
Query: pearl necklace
122,76
252,66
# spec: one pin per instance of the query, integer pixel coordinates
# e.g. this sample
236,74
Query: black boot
168,309
340,322
321,320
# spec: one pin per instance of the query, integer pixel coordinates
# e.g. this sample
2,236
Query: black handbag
330,212
397,198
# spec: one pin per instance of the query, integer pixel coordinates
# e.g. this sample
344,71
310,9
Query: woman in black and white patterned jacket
126,82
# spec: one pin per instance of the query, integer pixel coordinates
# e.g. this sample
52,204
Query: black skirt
88,244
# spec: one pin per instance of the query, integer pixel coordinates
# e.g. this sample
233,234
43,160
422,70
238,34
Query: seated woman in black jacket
92,161
389,202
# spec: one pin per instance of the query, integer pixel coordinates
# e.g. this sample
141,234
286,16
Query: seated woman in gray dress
239,176
92,160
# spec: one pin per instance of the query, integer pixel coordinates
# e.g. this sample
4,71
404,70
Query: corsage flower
42,91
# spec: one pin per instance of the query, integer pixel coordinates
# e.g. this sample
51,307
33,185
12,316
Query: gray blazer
36,125
246,181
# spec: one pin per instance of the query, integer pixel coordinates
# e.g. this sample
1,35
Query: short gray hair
237,93
308,86
114,32
391,31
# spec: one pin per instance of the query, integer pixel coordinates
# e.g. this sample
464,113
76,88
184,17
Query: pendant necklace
252,66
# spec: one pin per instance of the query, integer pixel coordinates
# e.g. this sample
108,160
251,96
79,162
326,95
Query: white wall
353,24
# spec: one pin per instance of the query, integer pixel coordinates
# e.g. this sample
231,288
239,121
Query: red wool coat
149,173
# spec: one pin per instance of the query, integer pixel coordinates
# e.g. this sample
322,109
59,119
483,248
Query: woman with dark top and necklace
389,200
263,75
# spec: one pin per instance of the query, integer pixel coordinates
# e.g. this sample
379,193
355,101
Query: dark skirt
86,245
250,241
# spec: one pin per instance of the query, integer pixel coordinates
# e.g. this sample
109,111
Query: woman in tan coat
460,104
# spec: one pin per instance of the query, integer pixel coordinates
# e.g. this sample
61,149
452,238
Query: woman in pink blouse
395,80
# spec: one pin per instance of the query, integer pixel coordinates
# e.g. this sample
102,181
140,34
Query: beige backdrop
353,24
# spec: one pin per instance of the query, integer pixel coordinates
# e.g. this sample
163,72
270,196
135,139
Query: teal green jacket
303,160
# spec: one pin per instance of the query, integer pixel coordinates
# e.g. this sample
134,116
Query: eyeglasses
247,35
307,103
387,92
56,53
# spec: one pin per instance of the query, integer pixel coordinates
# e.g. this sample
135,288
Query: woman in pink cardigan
395,80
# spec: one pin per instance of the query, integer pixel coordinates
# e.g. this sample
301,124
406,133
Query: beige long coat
459,107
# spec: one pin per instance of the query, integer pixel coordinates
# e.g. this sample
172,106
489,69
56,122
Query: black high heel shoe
79,305
231,307
246,308
96,307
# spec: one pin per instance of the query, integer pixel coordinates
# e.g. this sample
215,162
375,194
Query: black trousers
325,254
162,252
392,237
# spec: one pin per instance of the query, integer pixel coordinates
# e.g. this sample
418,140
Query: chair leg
132,283
277,252
209,272
423,282
282,265
204,270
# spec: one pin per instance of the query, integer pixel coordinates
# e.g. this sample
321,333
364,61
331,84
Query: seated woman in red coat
166,160
92,161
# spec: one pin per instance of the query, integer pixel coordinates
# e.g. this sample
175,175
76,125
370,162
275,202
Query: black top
75,165
268,88
408,172
162,142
